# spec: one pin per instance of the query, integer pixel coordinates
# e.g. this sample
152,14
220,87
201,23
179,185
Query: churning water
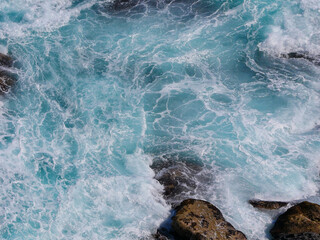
103,89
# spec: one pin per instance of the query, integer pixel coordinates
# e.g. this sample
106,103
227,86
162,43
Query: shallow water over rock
181,179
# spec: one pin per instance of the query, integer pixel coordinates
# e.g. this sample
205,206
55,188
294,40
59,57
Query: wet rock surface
301,221
133,7
180,179
199,220
159,236
301,236
5,60
119,5
123,7
6,81
315,59
267,205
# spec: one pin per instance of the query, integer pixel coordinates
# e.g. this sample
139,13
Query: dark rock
315,59
301,236
176,177
190,7
181,179
200,220
119,5
5,60
159,236
301,221
7,79
268,205
6,82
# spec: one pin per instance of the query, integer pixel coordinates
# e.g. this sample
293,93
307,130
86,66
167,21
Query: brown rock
5,60
200,220
298,222
268,205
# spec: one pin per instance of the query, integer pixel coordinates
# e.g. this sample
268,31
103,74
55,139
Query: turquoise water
101,92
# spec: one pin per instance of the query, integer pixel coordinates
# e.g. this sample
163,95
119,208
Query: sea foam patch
21,17
295,30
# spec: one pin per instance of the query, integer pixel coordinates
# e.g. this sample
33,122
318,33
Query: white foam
38,15
295,31
119,207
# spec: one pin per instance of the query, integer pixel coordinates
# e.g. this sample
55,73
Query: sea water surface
103,90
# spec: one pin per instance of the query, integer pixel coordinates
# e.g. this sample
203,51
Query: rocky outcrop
268,205
159,236
200,220
7,79
301,221
192,219
180,179
5,60
6,82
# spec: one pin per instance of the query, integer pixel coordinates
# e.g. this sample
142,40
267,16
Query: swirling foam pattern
102,91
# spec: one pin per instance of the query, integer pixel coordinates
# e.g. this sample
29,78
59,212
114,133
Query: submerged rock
303,55
119,5
301,221
176,177
268,205
5,60
7,79
180,179
6,82
199,220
